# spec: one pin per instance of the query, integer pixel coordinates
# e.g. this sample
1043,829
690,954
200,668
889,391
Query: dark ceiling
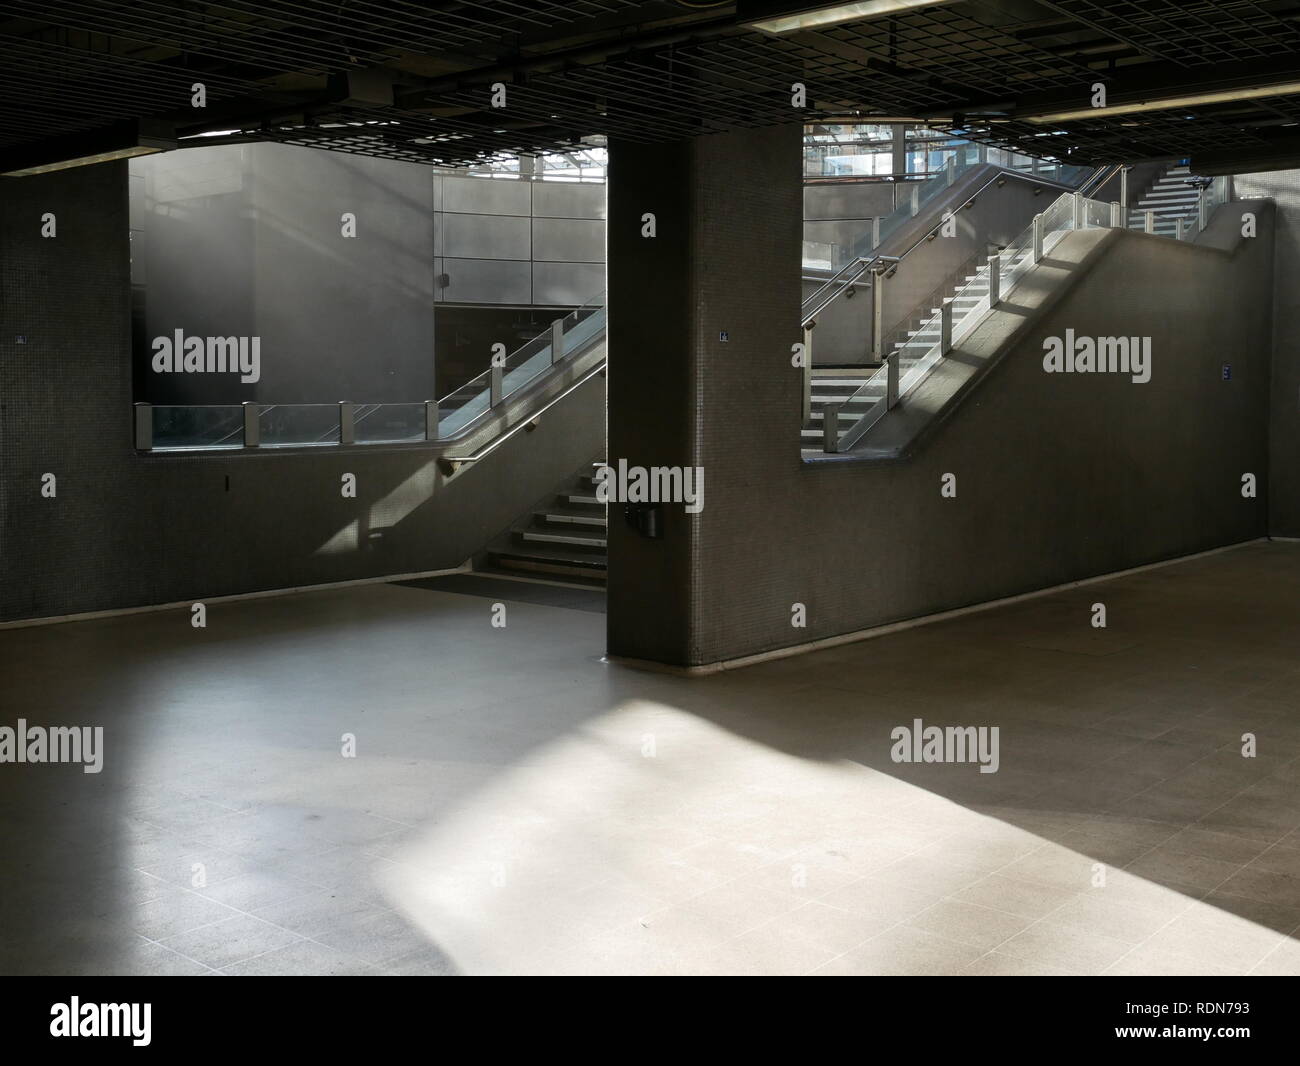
413,81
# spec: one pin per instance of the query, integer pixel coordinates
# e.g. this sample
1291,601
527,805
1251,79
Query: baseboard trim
910,623
89,616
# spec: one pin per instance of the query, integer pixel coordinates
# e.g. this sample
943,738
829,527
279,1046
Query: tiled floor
515,805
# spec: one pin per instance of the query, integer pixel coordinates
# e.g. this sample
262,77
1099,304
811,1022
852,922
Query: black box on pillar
646,519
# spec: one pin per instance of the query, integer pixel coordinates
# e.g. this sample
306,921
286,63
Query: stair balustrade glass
296,425
198,426
916,195
388,423
221,426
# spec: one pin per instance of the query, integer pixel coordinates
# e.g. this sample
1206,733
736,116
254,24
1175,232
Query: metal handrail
1099,178
951,171
843,280
451,463
824,297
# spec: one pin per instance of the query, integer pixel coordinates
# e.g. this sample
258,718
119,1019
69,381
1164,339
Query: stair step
570,540
566,518
589,566
845,403
843,390
578,499
577,577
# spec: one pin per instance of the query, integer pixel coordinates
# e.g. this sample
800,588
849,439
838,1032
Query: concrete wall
518,243
1283,187
840,212
1059,477
247,241
127,529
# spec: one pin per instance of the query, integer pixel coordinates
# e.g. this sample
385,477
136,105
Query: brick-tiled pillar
702,317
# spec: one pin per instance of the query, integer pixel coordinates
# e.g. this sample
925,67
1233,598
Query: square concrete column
702,319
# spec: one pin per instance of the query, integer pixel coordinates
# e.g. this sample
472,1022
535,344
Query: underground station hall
651,488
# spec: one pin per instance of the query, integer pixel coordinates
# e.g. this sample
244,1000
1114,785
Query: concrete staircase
912,344
836,387
1170,197
561,539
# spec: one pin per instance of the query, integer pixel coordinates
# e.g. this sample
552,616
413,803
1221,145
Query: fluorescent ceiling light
123,140
83,161
1168,102
815,16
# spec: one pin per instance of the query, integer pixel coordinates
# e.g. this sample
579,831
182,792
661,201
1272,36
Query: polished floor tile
374,780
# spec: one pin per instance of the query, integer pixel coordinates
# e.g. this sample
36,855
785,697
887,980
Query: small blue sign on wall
724,336
1227,371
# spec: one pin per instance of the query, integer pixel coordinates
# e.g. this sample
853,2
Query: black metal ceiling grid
674,93
80,89
1159,134
311,37
831,76
418,138
1192,32
366,140
648,70
723,84
256,39
947,43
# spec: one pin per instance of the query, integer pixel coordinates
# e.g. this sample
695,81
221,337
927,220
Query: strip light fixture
796,17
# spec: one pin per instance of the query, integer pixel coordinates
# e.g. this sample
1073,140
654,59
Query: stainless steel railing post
877,313
831,427
144,427
252,424
807,374
557,341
